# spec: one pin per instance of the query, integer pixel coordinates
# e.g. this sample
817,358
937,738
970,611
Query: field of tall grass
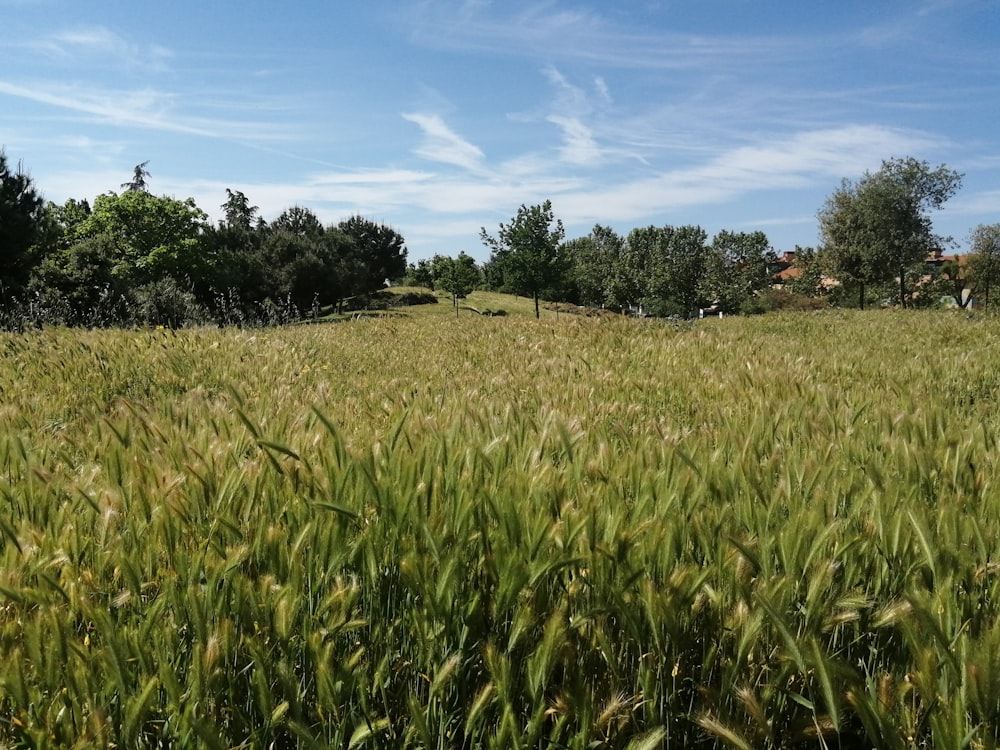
422,531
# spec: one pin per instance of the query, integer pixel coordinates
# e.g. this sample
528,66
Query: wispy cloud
985,202
570,109
547,31
145,108
442,144
579,146
797,161
100,44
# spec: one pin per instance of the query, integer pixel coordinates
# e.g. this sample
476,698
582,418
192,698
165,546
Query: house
786,270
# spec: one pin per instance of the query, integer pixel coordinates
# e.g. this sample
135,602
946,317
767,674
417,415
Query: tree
528,250
627,283
459,276
239,213
298,221
677,270
420,274
152,236
138,182
877,228
809,280
737,269
380,249
310,269
77,280
21,215
590,260
983,262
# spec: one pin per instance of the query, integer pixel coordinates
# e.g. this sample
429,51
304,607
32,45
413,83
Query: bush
164,302
781,299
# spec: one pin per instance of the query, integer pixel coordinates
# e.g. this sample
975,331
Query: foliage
138,183
380,248
21,216
345,536
420,273
317,267
877,228
771,300
459,276
239,214
165,303
79,279
150,236
527,251
983,261
298,221
105,266
679,268
737,268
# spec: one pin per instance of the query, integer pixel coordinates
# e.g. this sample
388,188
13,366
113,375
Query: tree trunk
861,295
902,287
536,306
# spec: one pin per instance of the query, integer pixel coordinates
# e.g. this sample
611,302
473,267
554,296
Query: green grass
417,531
478,303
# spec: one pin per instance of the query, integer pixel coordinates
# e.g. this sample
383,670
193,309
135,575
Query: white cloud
569,98
601,87
984,202
98,43
444,145
579,146
545,31
145,108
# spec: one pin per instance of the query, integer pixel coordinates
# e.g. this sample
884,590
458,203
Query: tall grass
497,533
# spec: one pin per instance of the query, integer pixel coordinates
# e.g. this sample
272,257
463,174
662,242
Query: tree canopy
458,276
528,250
983,263
874,229
152,236
21,213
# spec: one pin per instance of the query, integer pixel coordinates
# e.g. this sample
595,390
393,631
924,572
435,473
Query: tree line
878,246
138,258
133,257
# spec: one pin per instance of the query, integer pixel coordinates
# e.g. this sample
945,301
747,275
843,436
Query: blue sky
442,116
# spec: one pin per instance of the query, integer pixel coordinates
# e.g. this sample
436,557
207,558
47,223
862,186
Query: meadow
429,531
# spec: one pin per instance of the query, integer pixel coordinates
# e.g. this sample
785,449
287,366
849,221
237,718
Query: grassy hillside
416,531
397,302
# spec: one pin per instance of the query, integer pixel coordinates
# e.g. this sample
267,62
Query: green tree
983,261
298,221
238,211
22,212
677,269
237,275
627,284
591,260
138,183
528,251
877,228
809,281
78,280
152,236
309,270
459,276
379,248
738,268
420,273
